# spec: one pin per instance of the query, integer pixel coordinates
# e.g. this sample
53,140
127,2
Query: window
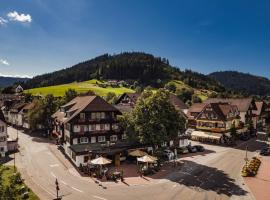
113,138
83,140
124,136
82,116
98,115
93,139
115,126
82,129
102,126
2,139
2,129
107,127
97,127
102,115
92,127
93,116
101,138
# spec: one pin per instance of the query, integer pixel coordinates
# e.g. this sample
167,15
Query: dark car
191,149
244,137
199,148
182,150
265,152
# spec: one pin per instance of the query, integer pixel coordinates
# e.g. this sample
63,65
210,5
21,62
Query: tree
196,99
233,131
185,94
69,95
111,97
170,86
154,119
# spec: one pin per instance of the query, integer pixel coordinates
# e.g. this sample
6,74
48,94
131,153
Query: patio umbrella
137,153
101,161
147,159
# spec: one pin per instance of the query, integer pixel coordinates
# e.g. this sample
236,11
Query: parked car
182,150
265,151
244,137
168,154
199,148
191,149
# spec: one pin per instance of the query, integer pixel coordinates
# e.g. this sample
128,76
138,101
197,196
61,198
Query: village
86,133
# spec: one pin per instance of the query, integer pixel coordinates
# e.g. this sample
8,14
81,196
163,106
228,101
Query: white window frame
113,138
83,140
102,138
92,127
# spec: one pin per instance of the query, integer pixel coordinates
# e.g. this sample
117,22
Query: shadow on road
205,178
252,145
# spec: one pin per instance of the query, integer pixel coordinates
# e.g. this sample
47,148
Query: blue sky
39,36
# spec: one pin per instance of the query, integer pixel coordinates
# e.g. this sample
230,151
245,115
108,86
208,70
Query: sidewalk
260,184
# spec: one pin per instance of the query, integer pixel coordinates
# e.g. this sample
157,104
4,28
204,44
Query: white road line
54,165
64,182
77,189
97,197
53,175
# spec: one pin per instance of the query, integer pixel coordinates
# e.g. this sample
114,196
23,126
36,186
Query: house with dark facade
3,135
86,124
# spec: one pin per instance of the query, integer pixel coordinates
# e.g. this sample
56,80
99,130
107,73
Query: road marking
77,189
54,165
64,182
53,175
97,197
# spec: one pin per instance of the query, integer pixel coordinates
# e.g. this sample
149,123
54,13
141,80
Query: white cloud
4,62
15,16
16,75
3,21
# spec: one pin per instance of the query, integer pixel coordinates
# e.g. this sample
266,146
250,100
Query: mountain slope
130,66
7,81
243,82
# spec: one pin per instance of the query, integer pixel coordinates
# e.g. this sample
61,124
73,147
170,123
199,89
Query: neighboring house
18,89
261,113
245,106
214,122
85,123
25,114
15,117
3,135
127,101
193,112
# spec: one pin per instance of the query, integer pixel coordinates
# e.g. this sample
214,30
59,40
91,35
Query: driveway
214,174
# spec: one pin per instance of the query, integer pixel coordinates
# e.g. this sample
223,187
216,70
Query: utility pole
57,188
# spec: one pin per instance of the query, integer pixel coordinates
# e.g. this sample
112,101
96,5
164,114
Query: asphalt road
212,175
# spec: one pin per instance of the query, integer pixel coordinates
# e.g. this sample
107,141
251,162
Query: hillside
243,82
8,81
80,87
145,69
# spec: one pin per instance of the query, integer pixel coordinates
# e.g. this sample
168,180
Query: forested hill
247,83
130,66
7,81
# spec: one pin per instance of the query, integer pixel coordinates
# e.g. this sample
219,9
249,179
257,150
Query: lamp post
57,188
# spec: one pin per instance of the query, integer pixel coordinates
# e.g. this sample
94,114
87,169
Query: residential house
245,106
261,114
15,117
84,124
193,112
18,89
3,135
215,121
25,114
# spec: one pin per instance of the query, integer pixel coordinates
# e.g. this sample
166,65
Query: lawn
80,87
12,187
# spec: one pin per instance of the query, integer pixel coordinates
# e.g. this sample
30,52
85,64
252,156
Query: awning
206,135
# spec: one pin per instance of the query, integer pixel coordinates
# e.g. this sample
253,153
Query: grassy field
10,186
203,94
80,87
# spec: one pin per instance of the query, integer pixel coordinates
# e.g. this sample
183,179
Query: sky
40,36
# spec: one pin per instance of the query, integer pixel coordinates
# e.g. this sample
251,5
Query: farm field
80,87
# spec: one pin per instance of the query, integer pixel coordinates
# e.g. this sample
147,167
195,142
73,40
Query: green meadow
80,87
